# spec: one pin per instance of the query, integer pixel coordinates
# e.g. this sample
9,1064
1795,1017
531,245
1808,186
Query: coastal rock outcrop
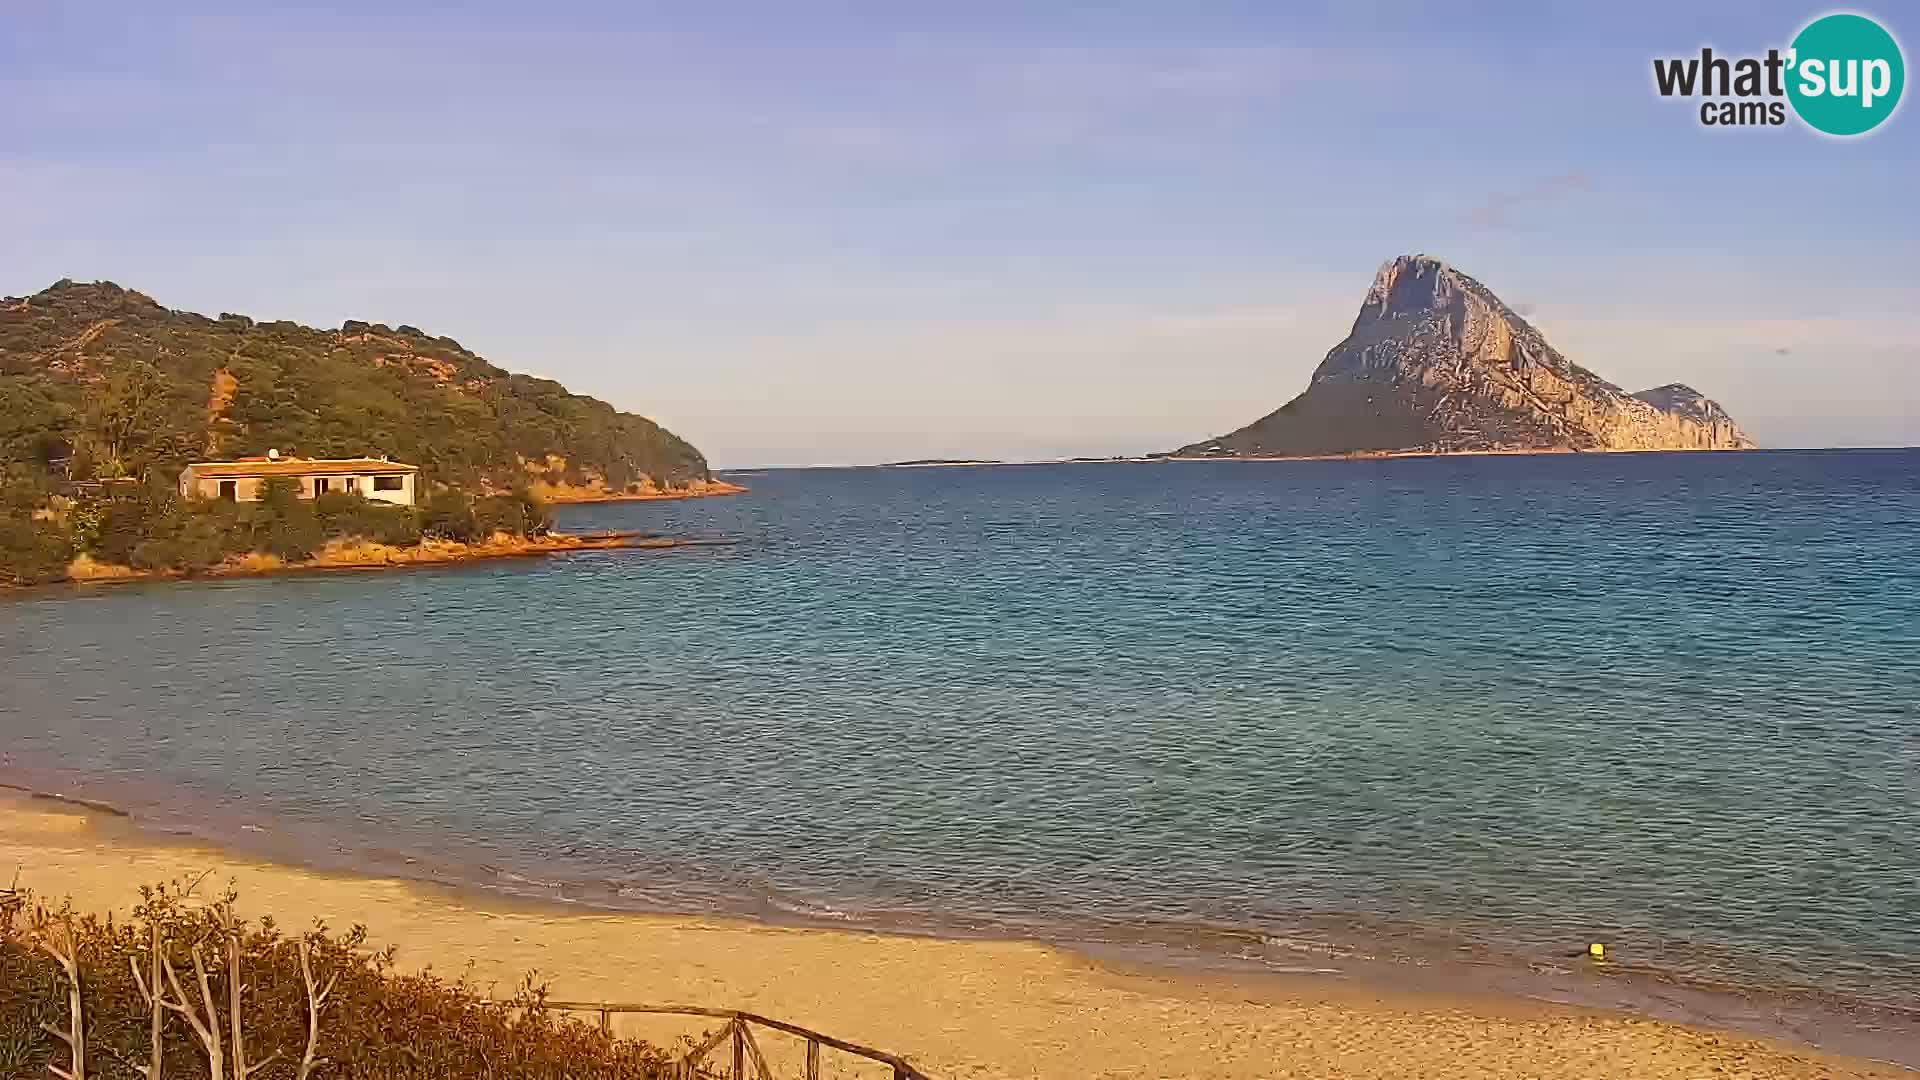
1436,363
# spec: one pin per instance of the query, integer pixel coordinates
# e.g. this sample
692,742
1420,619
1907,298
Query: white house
241,480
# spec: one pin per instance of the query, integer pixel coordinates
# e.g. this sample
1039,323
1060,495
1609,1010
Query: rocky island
1437,364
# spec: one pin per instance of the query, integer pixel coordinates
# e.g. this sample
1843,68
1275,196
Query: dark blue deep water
1506,704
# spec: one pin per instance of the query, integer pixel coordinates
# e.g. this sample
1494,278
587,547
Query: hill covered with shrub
98,381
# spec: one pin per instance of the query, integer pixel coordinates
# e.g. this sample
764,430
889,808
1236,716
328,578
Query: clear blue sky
851,232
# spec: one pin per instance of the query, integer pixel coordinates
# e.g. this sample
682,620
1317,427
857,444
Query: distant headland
109,397
925,463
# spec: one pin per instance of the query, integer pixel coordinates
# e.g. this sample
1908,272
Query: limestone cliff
1437,363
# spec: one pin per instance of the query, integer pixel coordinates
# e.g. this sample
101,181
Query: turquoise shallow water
1490,705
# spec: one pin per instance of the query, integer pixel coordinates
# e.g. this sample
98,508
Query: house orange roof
249,467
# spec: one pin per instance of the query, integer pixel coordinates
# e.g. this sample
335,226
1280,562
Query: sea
1437,721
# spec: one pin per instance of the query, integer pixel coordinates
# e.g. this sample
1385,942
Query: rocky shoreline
699,489
365,555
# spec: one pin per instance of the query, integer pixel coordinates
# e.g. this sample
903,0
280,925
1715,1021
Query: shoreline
710,489
930,996
351,554
1358,455
353,557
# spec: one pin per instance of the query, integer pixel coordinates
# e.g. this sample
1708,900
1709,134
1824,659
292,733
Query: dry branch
54,936
151,992
316,1000
207,1028
690,1064
235,984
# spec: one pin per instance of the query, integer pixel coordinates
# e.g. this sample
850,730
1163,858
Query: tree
33,552
448,514
131,420
516,514
350,514
34,424
284,525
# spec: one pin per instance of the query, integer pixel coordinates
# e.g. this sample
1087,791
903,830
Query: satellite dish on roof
273,455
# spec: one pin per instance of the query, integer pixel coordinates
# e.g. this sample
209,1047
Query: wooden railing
739,1029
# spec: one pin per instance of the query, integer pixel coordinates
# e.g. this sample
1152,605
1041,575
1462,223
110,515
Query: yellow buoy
1597,951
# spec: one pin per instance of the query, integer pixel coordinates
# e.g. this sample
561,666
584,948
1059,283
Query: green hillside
97,381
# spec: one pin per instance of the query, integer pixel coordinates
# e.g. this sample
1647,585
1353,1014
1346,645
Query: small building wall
246,488
403,497
250,488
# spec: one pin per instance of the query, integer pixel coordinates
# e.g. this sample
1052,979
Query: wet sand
955,1008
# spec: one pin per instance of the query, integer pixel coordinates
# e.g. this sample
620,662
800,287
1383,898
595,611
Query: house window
230,490
350,485
389,483
319,486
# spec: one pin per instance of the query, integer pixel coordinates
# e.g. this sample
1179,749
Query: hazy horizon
824,238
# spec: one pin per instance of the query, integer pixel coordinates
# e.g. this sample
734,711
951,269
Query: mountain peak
1437,363
1407,285
102,293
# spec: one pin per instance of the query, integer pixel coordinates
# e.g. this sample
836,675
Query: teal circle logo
1846,74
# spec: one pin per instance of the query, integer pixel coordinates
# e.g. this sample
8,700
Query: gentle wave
1466,712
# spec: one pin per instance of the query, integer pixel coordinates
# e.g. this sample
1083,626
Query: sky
813,233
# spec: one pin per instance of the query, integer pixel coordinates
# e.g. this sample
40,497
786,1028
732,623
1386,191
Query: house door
230,490
319,486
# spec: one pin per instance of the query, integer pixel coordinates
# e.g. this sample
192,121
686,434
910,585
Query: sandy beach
955,1008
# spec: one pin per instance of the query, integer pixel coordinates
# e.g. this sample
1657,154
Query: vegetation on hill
99,382
188,989
148,527
105,395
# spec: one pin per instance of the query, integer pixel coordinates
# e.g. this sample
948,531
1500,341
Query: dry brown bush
372,1021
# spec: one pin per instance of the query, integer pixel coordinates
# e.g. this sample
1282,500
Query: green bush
350,514
33,552
209,530
336,510
120,523
395,525
517,514
155,554
152,528
22,491
448,515
283,524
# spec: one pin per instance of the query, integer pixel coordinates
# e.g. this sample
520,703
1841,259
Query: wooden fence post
760,1070
738,1028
